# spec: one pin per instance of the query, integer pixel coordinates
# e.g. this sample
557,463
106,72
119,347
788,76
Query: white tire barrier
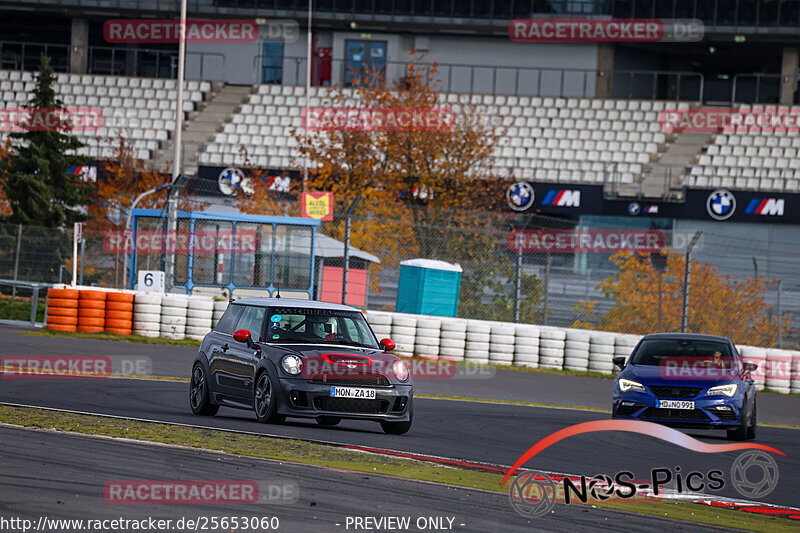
526,346
757,356
795,386
778,370
576,349
173,316
147,314
377,318
601,352
476,348
220,306
199,316
501,344
455,326
146,308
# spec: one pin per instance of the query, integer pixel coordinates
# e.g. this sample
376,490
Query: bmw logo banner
520,196
721,204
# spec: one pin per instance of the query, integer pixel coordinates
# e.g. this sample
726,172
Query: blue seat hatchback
688,381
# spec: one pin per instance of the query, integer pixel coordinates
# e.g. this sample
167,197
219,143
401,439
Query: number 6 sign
151,280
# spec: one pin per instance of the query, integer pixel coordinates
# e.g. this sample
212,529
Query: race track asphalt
472,431
60,476
505,385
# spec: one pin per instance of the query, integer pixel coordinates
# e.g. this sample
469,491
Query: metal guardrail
34,287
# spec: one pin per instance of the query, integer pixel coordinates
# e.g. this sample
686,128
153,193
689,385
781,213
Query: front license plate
350,392
674,404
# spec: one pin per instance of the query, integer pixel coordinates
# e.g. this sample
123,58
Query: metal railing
154,63
17,55
508,80
758,87
34,288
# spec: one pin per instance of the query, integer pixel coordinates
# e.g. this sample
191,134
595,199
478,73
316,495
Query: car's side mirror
242,335
750,367
619,361
388,345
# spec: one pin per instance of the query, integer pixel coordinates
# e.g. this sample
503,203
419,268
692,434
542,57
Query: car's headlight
400,370
626,384
727,390
292,364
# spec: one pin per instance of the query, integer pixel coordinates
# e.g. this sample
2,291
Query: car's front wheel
199,397
399,428
264,403
747,429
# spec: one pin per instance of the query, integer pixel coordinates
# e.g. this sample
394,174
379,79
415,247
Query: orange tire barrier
67,294
62,309
117,331
119,313
117,324
61,327
91,304
61,302
91,311
119,306
123,297
62,320
93,295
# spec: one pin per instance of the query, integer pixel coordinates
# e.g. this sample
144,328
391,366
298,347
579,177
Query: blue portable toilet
428,287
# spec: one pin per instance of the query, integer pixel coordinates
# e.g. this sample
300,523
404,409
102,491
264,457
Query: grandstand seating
546,139
139,109
750,159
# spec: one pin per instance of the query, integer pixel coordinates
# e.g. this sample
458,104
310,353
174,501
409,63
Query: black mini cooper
299,358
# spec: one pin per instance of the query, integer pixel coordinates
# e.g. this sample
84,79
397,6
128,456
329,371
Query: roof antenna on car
279,293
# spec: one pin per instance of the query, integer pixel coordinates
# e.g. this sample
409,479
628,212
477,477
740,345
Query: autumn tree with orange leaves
426,192
719,304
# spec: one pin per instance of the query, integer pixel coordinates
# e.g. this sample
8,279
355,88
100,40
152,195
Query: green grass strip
308,453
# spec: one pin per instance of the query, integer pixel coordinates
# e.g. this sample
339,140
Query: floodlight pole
685,321
309,52
172,201
128,225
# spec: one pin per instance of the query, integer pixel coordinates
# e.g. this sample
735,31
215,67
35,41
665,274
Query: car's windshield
318,326
658,352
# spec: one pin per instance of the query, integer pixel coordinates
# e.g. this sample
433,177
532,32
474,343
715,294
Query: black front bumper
301,398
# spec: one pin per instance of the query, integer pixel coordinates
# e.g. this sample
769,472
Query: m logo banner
765,206
563,198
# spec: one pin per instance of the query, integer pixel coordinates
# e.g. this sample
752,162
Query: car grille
696,415
353,381
351,405
675,392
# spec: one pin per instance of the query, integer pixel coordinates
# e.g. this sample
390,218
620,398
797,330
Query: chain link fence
748,289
